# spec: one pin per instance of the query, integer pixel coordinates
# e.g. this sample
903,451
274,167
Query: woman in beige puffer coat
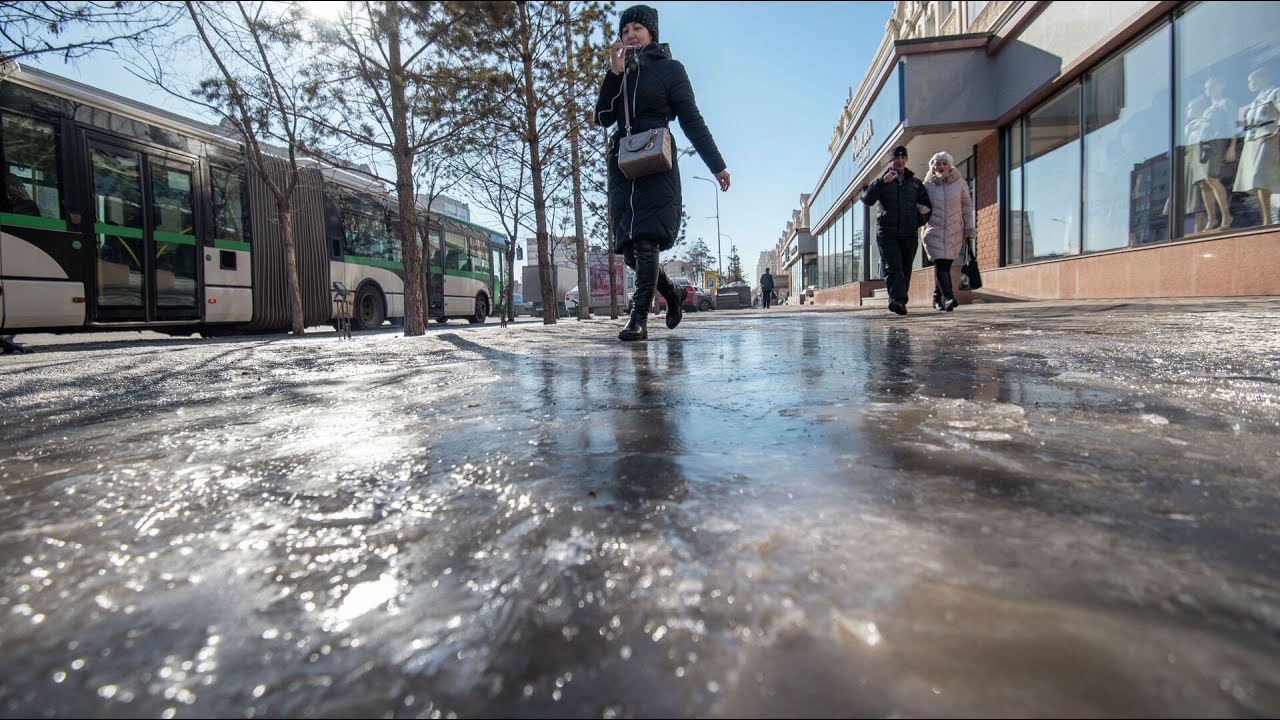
950,224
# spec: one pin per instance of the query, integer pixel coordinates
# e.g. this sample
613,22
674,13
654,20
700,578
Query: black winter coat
658,90
898,200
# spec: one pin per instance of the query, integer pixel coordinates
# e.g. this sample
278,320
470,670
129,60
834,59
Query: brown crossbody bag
646,152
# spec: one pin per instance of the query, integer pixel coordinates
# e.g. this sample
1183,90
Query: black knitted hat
642,14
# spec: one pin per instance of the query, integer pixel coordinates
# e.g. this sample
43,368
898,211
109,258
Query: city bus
118,215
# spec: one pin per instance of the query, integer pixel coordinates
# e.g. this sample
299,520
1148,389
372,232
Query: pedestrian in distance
950,225
766,288
904,205
646,210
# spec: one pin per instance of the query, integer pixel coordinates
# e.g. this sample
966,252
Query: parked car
690,296
520,306
706,301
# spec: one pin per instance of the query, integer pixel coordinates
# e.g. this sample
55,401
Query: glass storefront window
1126,147
1179,141
1226,56
1016,235
1051,176
876,127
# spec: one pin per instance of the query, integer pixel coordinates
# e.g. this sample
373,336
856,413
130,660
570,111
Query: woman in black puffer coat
646,210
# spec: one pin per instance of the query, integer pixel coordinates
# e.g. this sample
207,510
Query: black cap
900,151
642,14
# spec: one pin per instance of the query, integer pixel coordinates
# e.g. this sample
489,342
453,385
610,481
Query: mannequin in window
1193,136
1217,137
1259,170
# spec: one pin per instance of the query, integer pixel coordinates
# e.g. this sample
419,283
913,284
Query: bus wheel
442,319
482,311
369,312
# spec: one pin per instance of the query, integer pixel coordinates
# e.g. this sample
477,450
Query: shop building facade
1113,149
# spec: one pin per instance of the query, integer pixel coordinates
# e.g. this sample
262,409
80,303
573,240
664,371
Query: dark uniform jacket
658,90
898,200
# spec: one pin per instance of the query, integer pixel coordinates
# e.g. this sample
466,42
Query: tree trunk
608,236
545,273
406,193
511,280
284,207
584,284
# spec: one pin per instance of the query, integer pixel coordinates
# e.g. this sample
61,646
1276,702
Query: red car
690,303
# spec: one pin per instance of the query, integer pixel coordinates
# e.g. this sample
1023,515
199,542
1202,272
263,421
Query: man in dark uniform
766,288
904,203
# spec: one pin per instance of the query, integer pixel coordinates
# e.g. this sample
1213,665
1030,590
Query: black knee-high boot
674,297
636,328
646,267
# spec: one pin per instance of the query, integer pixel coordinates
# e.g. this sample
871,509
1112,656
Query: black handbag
970,276
645,153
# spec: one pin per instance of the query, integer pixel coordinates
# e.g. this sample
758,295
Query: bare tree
258,93
698,257
735,264
496,172
405,82
75,29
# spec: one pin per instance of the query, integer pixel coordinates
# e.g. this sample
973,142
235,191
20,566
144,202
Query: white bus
118,215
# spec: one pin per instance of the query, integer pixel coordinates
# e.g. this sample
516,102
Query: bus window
478,249
455,257
228,206
367,231
174,234
30,154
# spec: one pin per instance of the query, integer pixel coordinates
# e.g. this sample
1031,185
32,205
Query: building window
1226,56
1016,234
974,8
1051,177
1126,147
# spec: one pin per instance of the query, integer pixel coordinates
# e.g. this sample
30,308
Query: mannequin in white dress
1259,170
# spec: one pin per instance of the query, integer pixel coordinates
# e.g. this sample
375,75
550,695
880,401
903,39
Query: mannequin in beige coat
950,224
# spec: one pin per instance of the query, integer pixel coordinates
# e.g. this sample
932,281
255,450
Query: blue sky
770,79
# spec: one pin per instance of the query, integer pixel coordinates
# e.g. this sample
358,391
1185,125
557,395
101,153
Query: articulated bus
118,215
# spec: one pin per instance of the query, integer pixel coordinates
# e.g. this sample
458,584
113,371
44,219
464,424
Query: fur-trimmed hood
931,179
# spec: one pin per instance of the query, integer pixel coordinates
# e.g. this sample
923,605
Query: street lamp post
716,185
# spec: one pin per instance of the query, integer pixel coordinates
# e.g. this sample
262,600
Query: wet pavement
1009,510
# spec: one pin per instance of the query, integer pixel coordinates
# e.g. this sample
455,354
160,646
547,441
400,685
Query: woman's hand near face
723,177
617,57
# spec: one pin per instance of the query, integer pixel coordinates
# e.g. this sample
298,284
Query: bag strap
626,107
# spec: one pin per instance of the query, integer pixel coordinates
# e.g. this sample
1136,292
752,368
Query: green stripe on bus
175,238
374,262
32,221
231,245
397,265
117,230
483,277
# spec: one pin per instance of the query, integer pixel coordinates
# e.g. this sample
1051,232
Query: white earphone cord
631,201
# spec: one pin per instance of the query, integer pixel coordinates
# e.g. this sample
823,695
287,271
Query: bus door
143,235
434,264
